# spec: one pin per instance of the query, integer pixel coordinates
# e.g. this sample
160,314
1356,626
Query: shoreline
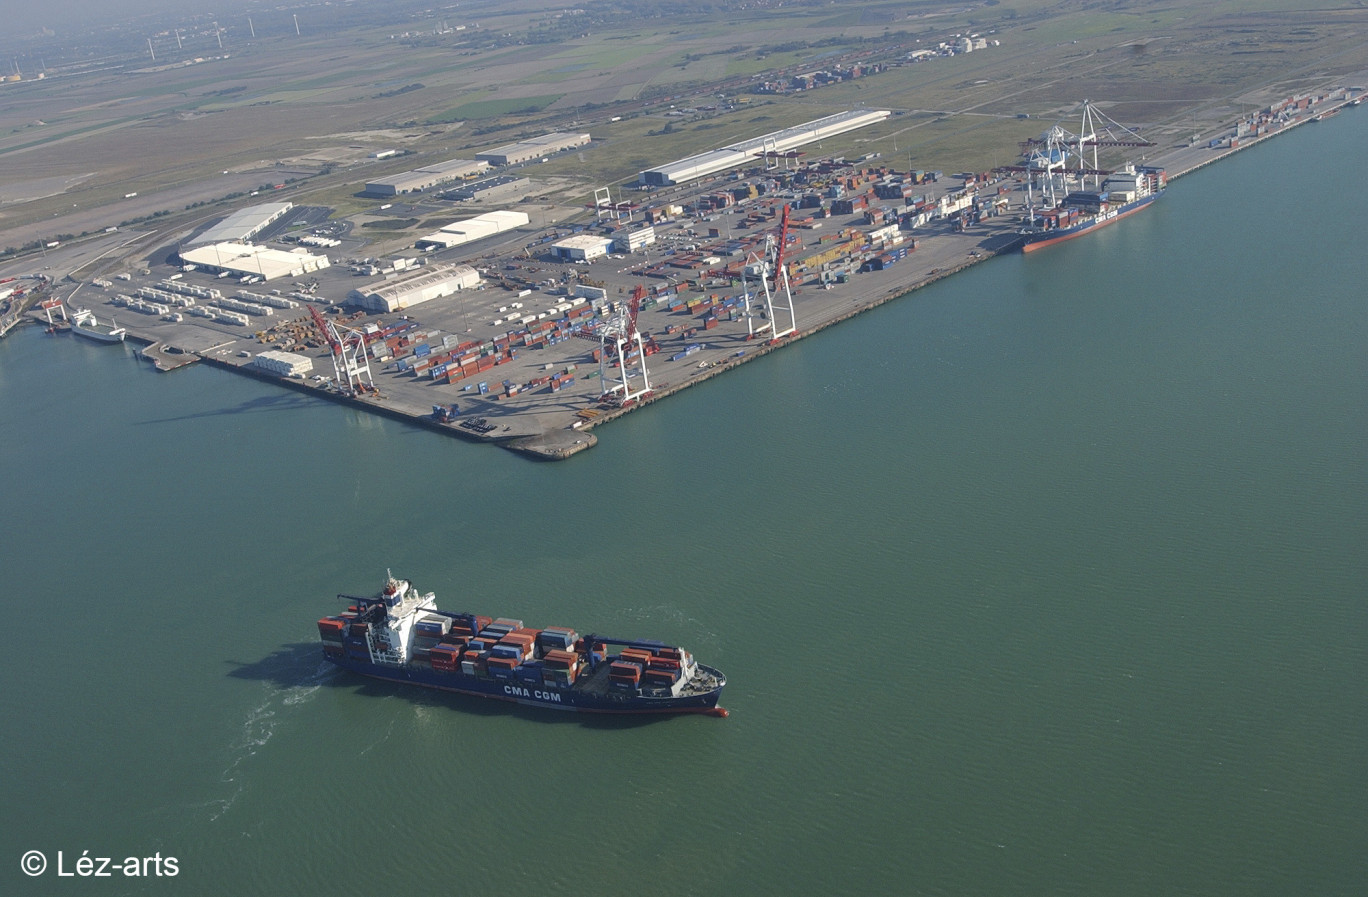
536,440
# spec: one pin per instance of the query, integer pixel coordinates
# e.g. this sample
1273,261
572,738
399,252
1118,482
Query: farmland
204,127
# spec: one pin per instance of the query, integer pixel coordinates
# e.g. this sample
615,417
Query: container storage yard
554,329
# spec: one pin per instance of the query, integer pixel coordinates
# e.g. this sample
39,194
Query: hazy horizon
74,16
70,17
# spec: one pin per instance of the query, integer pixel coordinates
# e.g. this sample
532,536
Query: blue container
558,640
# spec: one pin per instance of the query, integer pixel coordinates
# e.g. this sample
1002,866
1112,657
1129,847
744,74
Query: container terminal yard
531,330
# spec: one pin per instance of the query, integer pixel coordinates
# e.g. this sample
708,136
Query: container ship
399,635
1059,170
1123,193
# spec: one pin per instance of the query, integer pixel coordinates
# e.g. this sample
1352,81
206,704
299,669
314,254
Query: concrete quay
547,425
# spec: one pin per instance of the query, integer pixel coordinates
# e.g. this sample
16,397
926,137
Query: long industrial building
472,229
432,283
748,152
425,177
244,224
500,185
246,260
533,148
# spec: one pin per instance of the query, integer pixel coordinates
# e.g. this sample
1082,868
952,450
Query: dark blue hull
591,695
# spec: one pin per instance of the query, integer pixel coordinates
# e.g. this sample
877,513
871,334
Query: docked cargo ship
399,635
83,322
1059,172
1123,193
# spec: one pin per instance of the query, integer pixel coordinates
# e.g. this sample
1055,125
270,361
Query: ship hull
544,696
1033,240
100,335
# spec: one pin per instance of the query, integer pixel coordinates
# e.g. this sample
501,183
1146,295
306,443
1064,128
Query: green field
493,108
317,104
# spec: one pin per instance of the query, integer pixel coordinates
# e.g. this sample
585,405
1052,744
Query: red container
561,660
640,655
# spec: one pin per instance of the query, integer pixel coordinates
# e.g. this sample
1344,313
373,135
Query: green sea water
1048,579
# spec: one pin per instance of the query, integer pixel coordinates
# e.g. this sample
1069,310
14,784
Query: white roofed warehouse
471,229
581,248
246,260
433,283
422,178
244,224
750,152
631,241
533,148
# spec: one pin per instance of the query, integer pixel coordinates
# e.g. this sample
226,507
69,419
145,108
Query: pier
544,396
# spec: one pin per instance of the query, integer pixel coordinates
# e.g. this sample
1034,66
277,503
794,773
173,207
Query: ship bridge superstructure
392,615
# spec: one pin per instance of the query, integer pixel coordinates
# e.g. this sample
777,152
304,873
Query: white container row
250,308
261,299
189,289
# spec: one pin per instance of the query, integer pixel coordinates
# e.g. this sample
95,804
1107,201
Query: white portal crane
619,331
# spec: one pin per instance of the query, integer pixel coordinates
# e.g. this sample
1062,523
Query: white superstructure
393,642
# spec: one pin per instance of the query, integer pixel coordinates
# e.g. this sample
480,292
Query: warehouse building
283,364
423,178
631,241
432,283
243,260
472,229
581,248
533,148
501,186
751,152
244,224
